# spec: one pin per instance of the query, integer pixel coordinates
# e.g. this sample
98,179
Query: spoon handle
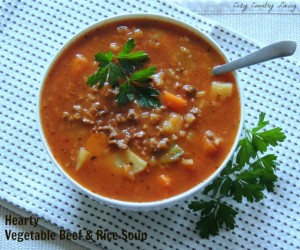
275,50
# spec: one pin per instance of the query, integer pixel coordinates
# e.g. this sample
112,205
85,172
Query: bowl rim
132,205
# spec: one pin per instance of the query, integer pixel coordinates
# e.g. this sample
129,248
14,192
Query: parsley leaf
271,137
246,185
261,140
213,215
108,71
246,176
146,97
261,123
137,86
100,77
124,71
115,73
104,58
245,152
143,75
125,94
267,164
255,141
131,62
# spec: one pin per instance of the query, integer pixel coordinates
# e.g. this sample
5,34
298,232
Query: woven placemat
32,32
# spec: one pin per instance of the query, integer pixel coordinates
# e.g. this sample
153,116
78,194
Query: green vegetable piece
171,155
127,157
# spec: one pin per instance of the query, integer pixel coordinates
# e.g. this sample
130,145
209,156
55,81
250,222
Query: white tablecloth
255,25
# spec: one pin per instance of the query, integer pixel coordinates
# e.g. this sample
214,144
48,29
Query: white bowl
154,205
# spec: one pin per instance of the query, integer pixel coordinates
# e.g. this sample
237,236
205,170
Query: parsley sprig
247,175
124,71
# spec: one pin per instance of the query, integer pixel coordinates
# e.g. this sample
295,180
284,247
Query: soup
166,138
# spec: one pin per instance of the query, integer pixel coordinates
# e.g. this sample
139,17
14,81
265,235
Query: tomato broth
131,152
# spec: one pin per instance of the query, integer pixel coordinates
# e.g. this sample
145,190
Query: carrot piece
174,102
210,142
96,144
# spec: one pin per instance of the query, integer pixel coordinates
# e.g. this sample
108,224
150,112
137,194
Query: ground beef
139,134
128,128
189,90
101,113
120,118
195,111
87,121
156,144
122,143
132,115
115,136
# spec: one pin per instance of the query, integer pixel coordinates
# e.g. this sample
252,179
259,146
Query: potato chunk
128,158
220,90
83,156
173,124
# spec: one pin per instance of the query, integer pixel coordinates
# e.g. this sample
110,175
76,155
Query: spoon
275,50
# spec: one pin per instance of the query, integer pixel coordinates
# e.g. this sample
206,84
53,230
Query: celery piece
171,155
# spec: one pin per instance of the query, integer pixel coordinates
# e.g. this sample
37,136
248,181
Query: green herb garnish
246,176
124,71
